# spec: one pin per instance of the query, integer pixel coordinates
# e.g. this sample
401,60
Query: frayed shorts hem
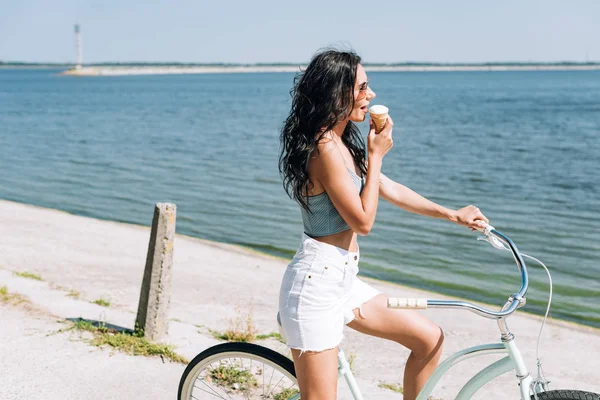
303,350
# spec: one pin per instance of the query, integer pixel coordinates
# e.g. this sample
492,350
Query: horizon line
238,64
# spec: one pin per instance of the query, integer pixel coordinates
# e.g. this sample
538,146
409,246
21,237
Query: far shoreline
153,69
242,249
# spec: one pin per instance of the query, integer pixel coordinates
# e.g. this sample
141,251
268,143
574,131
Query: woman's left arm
405,198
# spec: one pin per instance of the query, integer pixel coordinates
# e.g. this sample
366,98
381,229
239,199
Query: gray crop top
323,219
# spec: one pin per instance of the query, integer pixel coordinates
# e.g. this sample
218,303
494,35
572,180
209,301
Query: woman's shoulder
325,146
326,158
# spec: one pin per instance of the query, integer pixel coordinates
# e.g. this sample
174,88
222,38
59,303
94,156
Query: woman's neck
339,128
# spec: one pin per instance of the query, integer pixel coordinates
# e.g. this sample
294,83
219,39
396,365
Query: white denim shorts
318,292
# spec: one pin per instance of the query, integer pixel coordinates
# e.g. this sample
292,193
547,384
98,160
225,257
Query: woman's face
362,96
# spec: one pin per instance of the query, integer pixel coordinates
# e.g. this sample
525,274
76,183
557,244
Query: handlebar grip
486,229
407,303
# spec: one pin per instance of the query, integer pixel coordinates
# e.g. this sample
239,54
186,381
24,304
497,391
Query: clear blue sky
291,31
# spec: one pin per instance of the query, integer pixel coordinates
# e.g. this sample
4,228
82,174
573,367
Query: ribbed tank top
323,219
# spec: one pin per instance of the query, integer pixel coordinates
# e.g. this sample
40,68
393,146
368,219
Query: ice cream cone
379,116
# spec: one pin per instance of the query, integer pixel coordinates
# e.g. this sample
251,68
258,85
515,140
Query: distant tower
78,46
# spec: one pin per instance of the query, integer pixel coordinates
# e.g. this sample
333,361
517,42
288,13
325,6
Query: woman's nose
371,94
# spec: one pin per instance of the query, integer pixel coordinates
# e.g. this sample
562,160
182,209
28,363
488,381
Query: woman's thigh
407,327
317,374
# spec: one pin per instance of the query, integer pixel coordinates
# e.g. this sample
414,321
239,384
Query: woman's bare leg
317,374
410,329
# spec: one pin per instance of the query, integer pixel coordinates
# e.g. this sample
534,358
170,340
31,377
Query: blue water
523,146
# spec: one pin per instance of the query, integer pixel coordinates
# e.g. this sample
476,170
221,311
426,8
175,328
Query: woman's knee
430,342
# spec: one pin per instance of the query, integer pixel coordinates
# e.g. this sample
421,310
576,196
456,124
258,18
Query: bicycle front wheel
239,371
566,394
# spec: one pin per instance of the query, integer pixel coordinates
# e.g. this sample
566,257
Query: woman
324,165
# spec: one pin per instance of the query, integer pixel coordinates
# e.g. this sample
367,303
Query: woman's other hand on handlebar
471,217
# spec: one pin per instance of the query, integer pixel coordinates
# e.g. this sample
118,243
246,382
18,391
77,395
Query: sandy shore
168,70
212,284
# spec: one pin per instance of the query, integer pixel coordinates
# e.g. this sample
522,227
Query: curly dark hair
322,96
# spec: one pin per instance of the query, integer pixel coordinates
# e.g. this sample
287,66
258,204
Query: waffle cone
379,121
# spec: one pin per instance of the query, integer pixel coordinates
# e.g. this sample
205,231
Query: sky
266,31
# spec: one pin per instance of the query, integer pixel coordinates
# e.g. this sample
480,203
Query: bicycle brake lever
497,244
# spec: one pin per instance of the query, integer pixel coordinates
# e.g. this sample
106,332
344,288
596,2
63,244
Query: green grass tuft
285,394
102,302
83,325
132,343
399,389
29,275
274,335
11,298
233,378
392,387
241,329
351,359
233,335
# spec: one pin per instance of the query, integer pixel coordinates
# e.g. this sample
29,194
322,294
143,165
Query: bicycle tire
567,394
224,355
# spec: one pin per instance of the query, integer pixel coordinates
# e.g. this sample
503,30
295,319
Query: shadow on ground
103,325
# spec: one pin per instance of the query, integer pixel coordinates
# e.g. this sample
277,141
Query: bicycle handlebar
498,241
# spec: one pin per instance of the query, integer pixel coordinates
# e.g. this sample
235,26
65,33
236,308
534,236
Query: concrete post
155,296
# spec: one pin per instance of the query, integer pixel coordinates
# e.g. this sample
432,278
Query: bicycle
236,370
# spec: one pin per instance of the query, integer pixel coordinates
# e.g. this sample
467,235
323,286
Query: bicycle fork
345,371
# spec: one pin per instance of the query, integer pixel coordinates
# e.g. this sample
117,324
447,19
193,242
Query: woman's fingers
387,128
477,224
477,215
371,126
472,217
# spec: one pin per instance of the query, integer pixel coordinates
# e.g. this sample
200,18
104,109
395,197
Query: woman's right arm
357,210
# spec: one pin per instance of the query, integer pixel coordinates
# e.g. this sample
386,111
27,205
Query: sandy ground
212,285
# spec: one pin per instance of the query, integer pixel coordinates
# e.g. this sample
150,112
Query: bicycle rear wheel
241,371
567,394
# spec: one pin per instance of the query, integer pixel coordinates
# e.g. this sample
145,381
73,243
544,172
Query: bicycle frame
511,361
508,347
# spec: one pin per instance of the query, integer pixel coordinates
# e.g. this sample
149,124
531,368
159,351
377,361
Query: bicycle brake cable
540,382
